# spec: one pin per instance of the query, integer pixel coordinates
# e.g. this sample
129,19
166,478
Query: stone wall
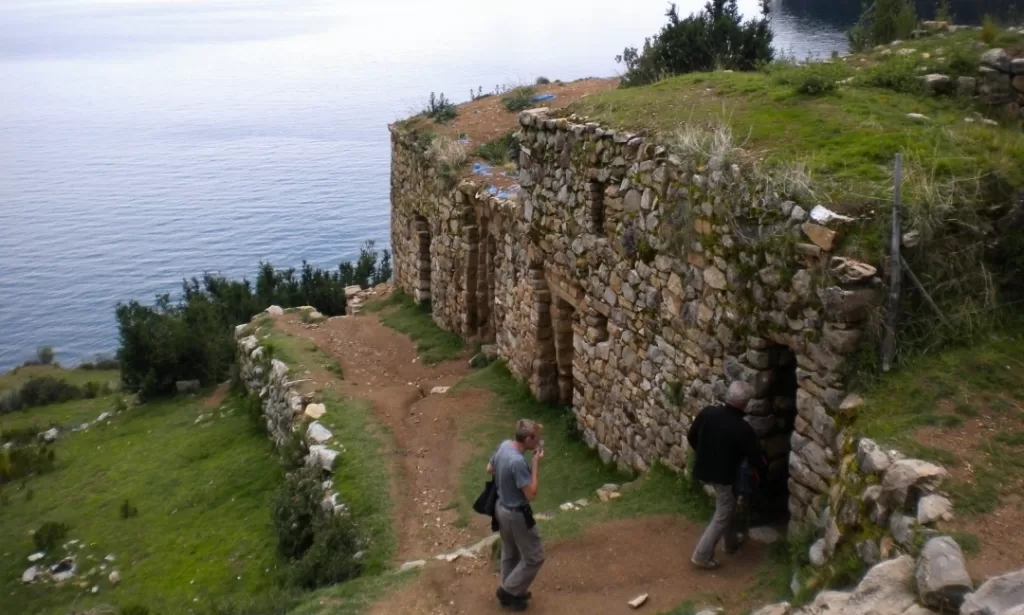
1000,82
635,284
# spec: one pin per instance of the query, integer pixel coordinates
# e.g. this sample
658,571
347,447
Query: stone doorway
485,278
421,238
563,319
773,416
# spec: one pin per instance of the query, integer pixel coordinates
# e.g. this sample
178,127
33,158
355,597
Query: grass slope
19,375
203,491
945,389
847,138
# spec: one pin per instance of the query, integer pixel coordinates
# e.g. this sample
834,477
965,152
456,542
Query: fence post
895,270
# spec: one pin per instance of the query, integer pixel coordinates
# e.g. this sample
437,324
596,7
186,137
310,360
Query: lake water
145,141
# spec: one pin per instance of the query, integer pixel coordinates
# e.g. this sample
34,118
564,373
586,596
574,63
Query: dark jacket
722,440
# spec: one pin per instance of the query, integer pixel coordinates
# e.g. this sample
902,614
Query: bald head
738,395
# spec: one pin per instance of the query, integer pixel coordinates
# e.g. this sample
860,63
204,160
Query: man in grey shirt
522,553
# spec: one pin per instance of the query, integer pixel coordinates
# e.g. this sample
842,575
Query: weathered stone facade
635,284
1000,82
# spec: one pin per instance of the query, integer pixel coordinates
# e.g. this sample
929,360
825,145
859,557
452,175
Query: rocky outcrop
942,579
997,596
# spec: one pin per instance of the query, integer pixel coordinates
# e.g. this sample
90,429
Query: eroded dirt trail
381,366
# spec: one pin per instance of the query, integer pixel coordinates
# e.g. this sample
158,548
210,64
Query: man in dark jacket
721,440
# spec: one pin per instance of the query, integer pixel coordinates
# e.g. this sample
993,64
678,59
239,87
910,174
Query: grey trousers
722,525
522,553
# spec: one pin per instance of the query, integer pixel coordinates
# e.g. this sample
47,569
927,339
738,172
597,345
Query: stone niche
634,285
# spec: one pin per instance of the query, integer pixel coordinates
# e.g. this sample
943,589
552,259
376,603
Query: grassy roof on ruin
846,136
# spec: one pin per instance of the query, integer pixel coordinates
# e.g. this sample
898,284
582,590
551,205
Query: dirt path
595,574
381,366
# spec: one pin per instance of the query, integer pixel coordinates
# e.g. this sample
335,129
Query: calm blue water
145,141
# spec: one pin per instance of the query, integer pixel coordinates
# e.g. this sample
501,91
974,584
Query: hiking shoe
740,540
510,601
711,564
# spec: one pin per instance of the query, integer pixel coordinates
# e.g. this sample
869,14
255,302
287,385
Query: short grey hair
524,429
739,394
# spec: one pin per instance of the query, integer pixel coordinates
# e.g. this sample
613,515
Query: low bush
519,98
19,462
989,30
133,609
882,22
440,109
192,338
543,81
713,39
499,151
896,74
45,355
811,80
100,362
49,535
45,390
332,557
321,545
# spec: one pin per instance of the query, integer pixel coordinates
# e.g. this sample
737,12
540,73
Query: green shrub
543,81
133,609
332,557
499,151
100,362
715,38
897,74
192,339
518,99
128,510
811,80
39,391
297,512
49,535
989,30
440,109
943,12
45,355
882,22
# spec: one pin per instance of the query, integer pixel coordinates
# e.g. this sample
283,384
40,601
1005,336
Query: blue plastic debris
542,97
480,168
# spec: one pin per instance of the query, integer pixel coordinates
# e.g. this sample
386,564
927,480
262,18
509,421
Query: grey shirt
511,473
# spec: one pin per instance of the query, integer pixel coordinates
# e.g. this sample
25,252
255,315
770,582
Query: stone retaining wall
635,284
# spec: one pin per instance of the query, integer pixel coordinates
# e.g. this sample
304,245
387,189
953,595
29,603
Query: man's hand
538,454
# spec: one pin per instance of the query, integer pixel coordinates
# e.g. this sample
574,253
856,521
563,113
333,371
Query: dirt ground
998,532
596,573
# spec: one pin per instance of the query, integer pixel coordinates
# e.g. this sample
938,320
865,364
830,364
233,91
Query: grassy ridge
78,377
404,315
202,491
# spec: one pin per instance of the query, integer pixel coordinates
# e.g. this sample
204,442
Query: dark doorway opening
774,418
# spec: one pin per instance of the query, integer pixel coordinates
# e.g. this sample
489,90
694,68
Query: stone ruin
634,285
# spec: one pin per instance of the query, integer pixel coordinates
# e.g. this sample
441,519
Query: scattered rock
275,310
35,557
910,478
315,411
911,239
824,215
851,402
50,435
868,552
114,577
934,508
783,608
638,602
918,117
109,558
187,386
95,589
318,433
938,83
850,271
764,535
30,574
817,553
320,455
902,529
103,417
439,390
413,565
996,595
942,579
799,214
997,59
871,458
821,236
